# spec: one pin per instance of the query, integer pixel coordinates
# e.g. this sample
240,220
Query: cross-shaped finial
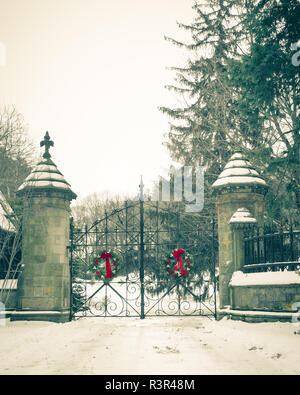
47,143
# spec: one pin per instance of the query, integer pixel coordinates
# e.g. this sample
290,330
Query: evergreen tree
202,132
269,100
241,91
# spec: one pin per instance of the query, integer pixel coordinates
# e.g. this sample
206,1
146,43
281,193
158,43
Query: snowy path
162,345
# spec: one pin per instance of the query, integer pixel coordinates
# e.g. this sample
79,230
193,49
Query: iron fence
274,251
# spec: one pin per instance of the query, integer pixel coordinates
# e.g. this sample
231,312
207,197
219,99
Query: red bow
106,256
177,254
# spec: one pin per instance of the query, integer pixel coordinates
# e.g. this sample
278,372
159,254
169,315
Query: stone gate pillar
238,186
241,224
44,284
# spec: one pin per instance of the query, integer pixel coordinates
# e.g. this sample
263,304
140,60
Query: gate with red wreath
144,259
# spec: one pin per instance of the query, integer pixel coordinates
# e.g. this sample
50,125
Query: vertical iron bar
178,298
178,228
86,264
214,265
281,243
71,266
245,250
126,233
142,250
264,245
157,237
105,302
253,248
106,249
106,231
97,239
261,245
273,239
291,242
126,250
257,245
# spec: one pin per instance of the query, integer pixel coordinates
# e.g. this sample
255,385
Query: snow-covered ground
155,345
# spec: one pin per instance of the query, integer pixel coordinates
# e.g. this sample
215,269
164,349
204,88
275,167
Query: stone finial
47,143
242,217
239,173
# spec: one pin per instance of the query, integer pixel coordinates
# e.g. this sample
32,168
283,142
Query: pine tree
202,133
241,91
270,98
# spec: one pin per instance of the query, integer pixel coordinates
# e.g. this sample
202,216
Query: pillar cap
46,177
242,217
239,173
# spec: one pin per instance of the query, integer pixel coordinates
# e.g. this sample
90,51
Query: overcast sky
92,73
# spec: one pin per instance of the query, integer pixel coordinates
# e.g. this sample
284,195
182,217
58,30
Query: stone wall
270,291
265,297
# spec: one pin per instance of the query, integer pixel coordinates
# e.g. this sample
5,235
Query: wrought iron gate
142,234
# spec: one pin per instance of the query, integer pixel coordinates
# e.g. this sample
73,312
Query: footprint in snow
276,356
255,348
166,350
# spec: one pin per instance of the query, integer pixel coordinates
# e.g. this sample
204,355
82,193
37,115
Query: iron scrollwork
139,235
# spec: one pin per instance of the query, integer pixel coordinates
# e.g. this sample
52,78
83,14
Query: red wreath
110,269
179,267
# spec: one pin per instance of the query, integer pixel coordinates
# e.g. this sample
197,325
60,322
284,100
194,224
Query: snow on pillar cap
242,216
46,176
239,173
